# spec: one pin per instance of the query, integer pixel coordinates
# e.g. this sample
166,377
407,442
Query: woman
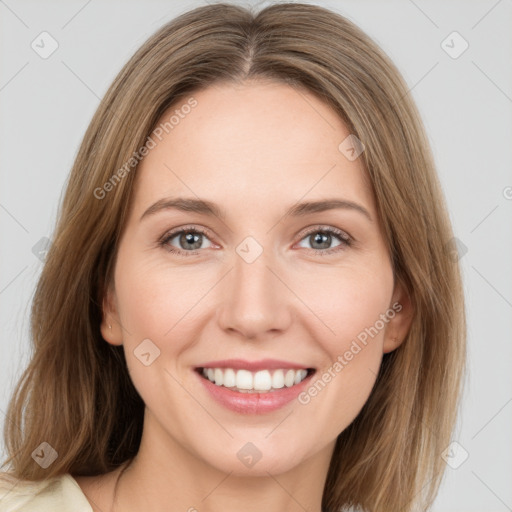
250,300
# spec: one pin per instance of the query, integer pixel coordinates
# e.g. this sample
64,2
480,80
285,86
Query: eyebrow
204,207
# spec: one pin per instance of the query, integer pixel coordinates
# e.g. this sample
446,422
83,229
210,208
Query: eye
188,240
321,239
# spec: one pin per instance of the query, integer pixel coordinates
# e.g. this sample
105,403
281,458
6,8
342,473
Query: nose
255,301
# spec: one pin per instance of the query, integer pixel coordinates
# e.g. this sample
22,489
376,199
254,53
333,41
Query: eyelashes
326,235
196,234
193,235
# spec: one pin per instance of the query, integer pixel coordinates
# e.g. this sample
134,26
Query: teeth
278,379
289,378
218,376
246,381
262,380
229,378
243,379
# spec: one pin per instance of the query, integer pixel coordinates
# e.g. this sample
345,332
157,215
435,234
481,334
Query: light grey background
466,104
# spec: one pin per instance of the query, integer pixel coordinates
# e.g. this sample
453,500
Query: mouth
253,387
269,380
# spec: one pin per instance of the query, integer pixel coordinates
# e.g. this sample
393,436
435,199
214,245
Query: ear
110,324
399,325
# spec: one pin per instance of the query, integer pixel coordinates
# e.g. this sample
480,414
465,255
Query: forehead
248,144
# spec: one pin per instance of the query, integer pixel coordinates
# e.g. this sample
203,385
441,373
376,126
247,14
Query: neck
165,472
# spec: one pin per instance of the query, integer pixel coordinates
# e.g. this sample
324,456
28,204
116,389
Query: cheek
155,309
351,306
347,303
155,298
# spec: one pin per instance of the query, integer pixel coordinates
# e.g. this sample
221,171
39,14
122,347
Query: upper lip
262,364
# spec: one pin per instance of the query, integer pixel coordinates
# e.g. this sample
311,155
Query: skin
255,149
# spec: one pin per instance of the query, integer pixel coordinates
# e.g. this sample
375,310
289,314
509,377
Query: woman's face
250,283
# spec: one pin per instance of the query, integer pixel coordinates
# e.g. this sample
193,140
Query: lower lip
253,403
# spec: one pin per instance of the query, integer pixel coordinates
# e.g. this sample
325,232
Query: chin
255,459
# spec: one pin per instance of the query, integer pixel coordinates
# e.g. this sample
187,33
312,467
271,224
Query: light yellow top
57,494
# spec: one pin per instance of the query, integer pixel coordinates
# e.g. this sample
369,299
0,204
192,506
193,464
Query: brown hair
76,393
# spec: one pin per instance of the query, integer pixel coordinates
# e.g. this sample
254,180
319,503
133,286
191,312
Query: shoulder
58,494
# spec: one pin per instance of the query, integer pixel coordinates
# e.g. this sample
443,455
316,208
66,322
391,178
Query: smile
255,387
245,381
